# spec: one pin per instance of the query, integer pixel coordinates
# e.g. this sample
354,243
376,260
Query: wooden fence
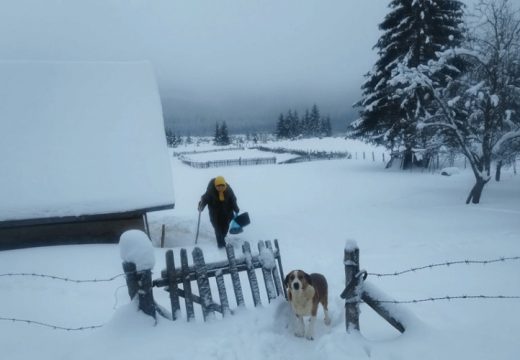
231,162
306,155
191,152
179,281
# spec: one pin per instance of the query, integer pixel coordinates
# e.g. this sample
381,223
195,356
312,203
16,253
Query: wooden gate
178,281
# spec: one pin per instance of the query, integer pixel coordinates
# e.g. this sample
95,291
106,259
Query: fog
240,61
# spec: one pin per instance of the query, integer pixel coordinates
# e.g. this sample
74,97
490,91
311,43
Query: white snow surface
81,138
399,220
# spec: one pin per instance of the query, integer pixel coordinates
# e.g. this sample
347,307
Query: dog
304,293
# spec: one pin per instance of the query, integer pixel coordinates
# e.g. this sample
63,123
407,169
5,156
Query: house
83,154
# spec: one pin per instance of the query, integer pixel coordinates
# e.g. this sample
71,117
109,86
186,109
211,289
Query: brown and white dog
305,292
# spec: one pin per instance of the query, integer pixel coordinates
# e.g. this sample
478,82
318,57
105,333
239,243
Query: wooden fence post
253,282
235,278
186,281
382,311
140,283
277,275
131,278
351,262
266,270
173,289
163,232
206,300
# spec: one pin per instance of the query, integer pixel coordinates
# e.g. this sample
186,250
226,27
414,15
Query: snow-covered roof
81,138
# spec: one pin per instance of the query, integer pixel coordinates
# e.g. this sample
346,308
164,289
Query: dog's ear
308,278
286,281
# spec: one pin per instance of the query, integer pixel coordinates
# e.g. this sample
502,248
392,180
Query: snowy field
398,219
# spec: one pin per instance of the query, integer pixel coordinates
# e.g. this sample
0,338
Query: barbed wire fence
53,277
378,275
447,264
447,297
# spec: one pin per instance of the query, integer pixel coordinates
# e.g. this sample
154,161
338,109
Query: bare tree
478,109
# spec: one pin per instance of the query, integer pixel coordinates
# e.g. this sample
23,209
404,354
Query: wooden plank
268,263
274,271
190,313
279,260
173,289
222,294
131,278
235,278
203,283
382,311
253,282
145,292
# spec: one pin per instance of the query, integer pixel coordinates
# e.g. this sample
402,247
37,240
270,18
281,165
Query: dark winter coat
220,212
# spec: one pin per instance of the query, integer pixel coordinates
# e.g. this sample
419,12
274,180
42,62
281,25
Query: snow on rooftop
81,138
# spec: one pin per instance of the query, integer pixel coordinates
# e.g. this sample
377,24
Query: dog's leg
327,318
310,329
324,304
300,326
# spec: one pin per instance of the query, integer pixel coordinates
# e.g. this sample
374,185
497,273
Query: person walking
222,206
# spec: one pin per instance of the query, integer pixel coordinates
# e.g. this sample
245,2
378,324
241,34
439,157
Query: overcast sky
214,59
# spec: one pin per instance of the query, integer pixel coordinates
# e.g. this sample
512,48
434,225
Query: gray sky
235,60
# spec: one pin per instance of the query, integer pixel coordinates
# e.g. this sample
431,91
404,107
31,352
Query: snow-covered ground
398,219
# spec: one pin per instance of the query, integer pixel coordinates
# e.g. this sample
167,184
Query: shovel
198,227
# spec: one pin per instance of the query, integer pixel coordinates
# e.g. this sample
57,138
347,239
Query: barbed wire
448,263
458,297
63,278
54,327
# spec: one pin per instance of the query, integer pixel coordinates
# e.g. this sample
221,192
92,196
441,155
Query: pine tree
281,128
314,121
414,31
216,137
224,136
326,128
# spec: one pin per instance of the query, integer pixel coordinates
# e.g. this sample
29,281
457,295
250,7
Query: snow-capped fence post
138,260
351,292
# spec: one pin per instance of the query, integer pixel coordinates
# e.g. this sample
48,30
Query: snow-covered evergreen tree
314,121
221,134
479,109
414,31
224,135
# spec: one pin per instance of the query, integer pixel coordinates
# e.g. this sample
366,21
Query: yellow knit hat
219,180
